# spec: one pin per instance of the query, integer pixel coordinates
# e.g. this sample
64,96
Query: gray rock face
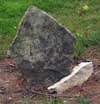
42,47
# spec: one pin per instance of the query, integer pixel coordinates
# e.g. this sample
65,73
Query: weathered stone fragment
42,47
79,75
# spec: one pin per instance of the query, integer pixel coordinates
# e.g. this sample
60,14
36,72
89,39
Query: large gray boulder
42,48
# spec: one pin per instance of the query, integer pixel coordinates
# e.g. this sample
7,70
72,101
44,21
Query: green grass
83,42
82,100
70,13
26,101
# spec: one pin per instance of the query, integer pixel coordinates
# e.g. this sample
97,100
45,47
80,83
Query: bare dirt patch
13,89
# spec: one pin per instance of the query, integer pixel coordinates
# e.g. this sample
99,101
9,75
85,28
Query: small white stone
79,75
10,98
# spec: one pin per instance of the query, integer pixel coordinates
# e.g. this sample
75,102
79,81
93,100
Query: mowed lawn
82,17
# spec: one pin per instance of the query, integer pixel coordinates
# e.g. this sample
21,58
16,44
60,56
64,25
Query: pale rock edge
79,75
